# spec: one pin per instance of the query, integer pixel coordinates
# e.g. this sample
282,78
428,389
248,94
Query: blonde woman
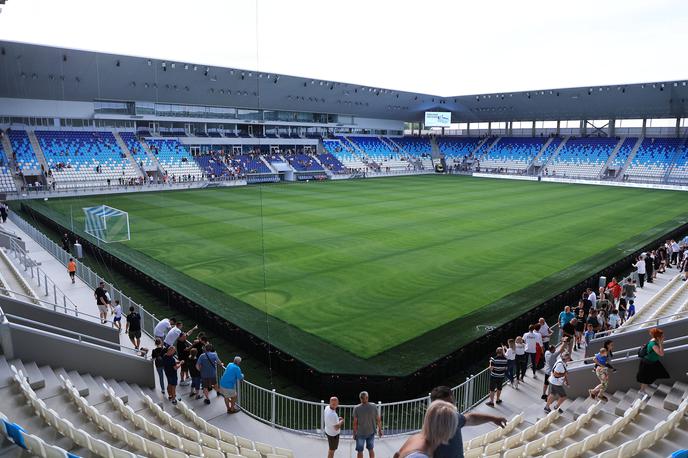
521,361
439,425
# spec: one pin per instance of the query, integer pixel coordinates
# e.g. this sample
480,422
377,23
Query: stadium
340,236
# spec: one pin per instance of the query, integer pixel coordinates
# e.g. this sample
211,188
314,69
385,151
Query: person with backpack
557,381
207,366
156,355
651,368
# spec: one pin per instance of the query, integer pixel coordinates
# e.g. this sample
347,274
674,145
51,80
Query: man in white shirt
545,333
163,327
173,335
557,380
333,426
532,338
592,297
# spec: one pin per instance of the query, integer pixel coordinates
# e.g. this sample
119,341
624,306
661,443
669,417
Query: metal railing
655,322
88,276
46,285
398,418
47,304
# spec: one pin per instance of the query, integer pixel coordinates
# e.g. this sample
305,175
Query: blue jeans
161,375
369,442
531,357
196,383
510,369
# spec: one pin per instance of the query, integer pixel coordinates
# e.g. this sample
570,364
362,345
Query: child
631,308
117,320
602,367
194,374
613,319
589,334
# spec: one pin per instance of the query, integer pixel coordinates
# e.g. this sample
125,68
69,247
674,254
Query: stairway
37,150
357,151
152,157
436,152
127,153
677,154
268,165
613,154
554,154
631,155
9,152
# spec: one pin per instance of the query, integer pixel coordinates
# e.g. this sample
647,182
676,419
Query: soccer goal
107,224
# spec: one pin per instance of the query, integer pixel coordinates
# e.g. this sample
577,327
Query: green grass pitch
379,275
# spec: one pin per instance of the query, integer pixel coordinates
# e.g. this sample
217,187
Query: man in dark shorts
101,301
366,418
333,426
497,375
133,329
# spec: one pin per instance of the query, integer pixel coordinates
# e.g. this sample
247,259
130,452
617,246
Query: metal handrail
29,265
52,305
78,336
88,276
656,322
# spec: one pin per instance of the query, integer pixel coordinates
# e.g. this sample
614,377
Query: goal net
107,224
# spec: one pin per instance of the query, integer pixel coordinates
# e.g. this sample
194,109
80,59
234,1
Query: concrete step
53,385
96,392
119,391
31,371
71,376
675,396
134,399
5,373
628,399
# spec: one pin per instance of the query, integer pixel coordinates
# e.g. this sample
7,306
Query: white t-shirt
544,332
162,328
592,297
559,366
613,320
172,336
520,349
331,420
641,266
118,311
532,339
510,354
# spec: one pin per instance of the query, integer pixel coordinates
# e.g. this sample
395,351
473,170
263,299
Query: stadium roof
42,72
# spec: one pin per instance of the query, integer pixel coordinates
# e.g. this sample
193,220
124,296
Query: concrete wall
581,379
56,351
59,320
45,108
637,337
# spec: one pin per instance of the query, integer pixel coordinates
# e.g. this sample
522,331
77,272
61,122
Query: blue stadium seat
174,158
512,153
653,158
25,157
583,157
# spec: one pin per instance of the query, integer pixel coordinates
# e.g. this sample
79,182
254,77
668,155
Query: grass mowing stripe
369,265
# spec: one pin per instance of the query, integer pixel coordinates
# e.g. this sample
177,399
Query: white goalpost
107,224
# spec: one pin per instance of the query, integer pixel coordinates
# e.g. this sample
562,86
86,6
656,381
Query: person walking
65,242
640,266
532,338
510,354
170,365
439,425
551,356
157,354
454,448
366,418
117,316
333,426
651,367
229,385
564,317
71,269
497,369
4,211
194,373
102,301
133,328
602,368
207,366
521,360
557,381
579,329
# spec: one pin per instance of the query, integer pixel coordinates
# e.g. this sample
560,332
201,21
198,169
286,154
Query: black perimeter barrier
387,389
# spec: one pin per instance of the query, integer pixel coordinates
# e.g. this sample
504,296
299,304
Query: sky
443,48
